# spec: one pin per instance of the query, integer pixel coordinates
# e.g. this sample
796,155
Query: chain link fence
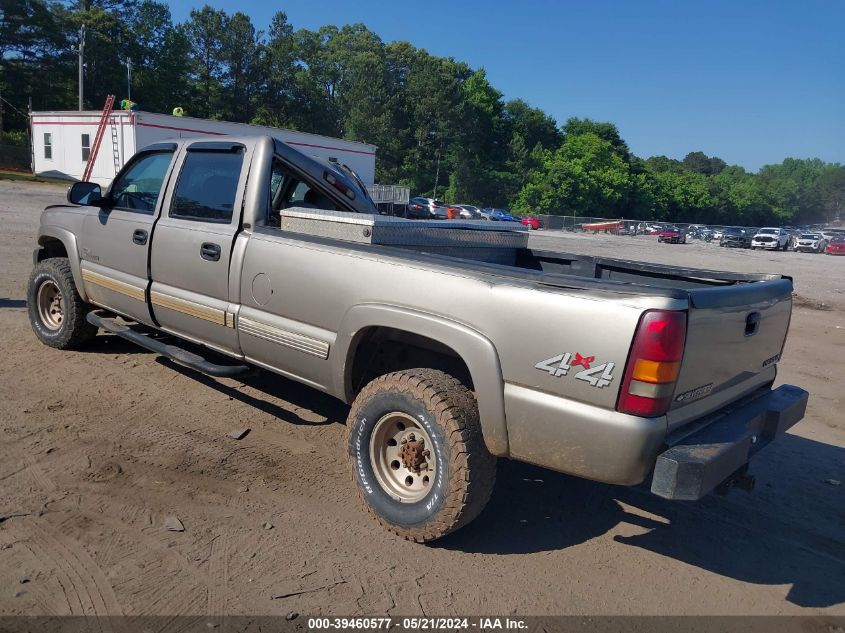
619,226
16,158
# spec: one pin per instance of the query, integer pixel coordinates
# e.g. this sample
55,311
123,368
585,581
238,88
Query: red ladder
101,130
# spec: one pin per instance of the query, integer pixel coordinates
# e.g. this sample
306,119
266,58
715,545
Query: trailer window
207,187
86,147
48,145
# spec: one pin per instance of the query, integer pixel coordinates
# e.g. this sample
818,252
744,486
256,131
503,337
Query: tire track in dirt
218,568
85,586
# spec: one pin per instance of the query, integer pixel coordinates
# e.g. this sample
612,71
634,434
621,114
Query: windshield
767,231
810,236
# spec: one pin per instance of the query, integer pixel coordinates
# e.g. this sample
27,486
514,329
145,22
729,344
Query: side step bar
173,352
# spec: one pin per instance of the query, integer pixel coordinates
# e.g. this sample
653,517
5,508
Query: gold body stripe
120,287
298,342
214,315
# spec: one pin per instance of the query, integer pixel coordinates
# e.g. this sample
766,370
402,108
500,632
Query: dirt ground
100,447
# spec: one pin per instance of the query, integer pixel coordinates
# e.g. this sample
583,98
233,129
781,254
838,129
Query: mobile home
62,141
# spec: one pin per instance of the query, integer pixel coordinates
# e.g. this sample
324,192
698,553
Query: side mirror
88,193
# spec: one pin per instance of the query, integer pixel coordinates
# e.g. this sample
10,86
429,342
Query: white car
811,243
771,239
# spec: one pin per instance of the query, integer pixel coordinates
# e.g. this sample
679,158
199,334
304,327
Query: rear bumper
699,462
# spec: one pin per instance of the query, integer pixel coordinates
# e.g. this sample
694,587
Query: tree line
441,127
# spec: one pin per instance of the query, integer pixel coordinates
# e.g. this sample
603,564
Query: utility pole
437,173
81,52
129,79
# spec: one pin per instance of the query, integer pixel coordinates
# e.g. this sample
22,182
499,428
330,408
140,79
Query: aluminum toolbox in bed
493,242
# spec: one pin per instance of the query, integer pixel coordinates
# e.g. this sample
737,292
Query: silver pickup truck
246,253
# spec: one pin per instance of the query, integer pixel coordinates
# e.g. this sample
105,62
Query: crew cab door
115,240
192,245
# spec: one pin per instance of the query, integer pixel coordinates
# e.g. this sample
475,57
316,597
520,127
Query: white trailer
62,141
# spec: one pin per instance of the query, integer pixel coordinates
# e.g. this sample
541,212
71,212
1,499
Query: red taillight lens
654,364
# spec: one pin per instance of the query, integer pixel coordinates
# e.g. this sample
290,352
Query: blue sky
751,81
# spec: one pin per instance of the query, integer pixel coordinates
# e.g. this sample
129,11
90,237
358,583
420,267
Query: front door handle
140,237
210,252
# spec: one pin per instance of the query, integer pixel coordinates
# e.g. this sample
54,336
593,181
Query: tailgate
735,336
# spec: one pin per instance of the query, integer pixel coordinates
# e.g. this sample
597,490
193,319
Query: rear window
207,187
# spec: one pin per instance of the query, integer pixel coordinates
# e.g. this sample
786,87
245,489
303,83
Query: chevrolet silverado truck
240,253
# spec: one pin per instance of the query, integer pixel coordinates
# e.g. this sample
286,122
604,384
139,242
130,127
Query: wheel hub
413,453
50,307
402,462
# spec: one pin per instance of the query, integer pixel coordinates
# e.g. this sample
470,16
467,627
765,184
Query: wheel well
382,350
51,247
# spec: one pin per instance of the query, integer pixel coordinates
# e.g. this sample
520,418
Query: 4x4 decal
599,376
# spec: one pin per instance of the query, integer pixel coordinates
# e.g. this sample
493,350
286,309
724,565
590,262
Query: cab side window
288,191
138,188
207,186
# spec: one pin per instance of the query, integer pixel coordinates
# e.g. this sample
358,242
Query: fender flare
475,350
68,239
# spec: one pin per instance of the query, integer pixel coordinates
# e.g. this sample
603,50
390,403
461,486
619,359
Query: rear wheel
417,453
56,311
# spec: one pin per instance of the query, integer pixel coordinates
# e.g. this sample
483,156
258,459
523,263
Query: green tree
205,31
586,176
830,192
604,130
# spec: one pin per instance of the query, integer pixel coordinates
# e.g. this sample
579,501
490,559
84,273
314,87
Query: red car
836,246
672,235
531,222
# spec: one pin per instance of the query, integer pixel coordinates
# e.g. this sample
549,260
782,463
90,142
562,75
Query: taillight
654,364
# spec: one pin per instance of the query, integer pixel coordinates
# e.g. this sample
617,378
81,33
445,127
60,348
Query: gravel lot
100,447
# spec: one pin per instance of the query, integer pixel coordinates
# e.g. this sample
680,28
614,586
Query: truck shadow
326,410
787,532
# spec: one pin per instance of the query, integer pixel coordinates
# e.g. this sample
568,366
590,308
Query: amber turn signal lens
655,371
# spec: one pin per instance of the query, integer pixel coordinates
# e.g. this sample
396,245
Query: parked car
836,246
498,215
810,243
436,209
735,238
672,235
701,233
771,239
469,212
418,208
531,222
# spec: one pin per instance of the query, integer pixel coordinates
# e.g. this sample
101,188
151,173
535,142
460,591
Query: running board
173,352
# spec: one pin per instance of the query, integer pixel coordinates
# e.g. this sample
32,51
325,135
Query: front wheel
418,455
56,311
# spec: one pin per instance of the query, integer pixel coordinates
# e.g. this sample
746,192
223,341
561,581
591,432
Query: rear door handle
140,237
210,252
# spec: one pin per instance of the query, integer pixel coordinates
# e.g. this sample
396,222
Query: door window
138,188
207,187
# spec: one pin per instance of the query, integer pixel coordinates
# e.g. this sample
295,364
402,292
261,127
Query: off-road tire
448,413
74,331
